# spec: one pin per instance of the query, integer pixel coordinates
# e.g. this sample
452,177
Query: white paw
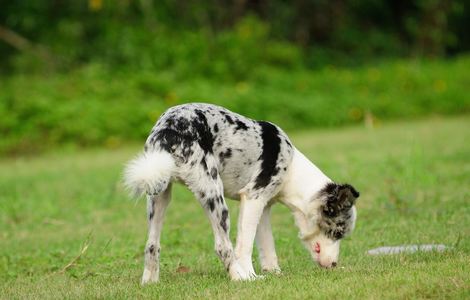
238,273
149,277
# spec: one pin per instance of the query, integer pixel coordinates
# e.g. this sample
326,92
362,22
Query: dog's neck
303,183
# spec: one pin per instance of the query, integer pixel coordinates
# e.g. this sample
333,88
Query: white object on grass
407,249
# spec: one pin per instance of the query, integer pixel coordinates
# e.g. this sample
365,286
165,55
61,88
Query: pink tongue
317,247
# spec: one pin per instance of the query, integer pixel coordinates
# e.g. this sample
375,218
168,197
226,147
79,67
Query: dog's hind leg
156,207
265,243
208,189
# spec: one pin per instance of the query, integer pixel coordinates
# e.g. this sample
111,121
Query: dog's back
245,153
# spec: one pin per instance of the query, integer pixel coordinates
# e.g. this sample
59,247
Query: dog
218,153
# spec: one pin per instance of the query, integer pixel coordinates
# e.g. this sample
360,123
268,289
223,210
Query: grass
413,178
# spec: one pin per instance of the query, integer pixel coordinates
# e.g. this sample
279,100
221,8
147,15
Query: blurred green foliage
225,38
93,106
100,72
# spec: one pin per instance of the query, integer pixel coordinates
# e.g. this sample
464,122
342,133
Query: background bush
161,34
100,72
93,106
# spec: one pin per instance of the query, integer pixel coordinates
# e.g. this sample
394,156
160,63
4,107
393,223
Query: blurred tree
335,31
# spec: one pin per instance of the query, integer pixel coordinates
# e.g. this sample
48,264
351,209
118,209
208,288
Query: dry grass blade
85,246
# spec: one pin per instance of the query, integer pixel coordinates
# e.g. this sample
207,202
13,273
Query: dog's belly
234,179
238,154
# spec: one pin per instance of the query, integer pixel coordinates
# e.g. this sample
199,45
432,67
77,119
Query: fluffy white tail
149,173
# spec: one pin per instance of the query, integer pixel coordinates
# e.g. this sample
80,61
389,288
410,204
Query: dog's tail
149,173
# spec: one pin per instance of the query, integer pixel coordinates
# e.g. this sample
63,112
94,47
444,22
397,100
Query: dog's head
335,218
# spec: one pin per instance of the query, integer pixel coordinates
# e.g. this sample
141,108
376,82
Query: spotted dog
218,153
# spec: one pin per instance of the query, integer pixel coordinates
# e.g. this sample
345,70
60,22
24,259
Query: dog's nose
333,264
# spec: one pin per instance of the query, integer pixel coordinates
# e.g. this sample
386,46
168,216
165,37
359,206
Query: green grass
413,179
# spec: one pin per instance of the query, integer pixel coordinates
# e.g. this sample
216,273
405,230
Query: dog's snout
328,265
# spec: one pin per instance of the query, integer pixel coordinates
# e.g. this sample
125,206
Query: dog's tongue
317,248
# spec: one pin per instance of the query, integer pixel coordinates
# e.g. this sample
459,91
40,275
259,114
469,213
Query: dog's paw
149,277
238,273
272,269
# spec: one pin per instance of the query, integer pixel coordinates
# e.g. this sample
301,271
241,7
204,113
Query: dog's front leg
248,219
265,243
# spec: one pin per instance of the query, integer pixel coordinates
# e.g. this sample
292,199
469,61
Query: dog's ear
339,198
347,196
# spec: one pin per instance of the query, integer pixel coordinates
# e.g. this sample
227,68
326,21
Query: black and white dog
218,153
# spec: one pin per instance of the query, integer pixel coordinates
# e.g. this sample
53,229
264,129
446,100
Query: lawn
413,178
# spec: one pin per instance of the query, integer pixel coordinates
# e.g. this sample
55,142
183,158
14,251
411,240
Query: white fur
248,219
152,262
265,243
304,181
149,172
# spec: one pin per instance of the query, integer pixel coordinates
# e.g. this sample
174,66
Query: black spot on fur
214,173
225,255
229,119
288,143
182,124
204,135
224,155
202,195
211,204
240,125
203,163
216,128
152,249
175,135
223,220
152,210
269,155
170,139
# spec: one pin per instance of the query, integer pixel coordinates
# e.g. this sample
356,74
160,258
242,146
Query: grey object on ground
407,249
